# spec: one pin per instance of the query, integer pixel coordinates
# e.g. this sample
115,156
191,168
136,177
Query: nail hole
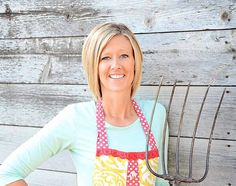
233,50
228,145
227,91
224,15
228,133
227,76
229,184
229,19
148,21
226,42
234,57
8,11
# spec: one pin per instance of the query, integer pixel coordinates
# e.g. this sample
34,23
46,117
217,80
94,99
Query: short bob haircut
92,49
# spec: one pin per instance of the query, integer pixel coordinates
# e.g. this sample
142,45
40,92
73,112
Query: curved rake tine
210,138
149,131
154,107
164,175
164,130
180,130
194,134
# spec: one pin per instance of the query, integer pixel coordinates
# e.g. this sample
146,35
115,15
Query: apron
114,167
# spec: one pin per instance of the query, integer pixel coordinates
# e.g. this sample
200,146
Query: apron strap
102,141
145,125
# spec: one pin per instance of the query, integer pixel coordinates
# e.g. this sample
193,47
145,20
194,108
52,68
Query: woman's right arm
56,136
18,183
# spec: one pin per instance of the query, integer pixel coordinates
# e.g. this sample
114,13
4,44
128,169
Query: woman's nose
115,63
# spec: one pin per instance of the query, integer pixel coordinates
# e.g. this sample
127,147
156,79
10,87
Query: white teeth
116,76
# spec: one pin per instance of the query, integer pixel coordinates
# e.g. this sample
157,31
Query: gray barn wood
41,72
70,18
22,105
203,56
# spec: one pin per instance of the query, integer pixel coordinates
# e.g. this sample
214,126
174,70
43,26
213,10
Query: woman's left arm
162,182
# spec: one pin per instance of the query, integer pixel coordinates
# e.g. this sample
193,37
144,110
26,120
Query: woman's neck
118,109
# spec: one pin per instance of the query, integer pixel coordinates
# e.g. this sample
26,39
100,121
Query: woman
106,137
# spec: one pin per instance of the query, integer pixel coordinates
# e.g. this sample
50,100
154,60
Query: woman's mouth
116,76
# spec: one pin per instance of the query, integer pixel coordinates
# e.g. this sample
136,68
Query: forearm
18,183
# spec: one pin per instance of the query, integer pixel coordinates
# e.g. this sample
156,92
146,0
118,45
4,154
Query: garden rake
177,178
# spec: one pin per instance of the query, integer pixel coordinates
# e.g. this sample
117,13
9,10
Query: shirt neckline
109,125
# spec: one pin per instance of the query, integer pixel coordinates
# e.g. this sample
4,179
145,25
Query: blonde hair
92,49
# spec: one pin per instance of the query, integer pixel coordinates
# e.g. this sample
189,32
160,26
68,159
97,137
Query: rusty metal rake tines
177,179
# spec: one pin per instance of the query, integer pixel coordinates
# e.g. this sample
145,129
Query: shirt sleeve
160,116
56,136
162,182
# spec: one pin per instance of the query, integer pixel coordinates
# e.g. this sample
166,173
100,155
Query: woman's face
116,65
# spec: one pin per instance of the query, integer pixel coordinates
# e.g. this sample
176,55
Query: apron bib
114,167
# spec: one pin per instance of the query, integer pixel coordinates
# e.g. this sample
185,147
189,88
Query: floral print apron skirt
114,167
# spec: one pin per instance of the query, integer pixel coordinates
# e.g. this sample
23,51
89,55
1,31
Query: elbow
18,183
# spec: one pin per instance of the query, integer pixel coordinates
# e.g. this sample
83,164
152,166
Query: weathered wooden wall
41,72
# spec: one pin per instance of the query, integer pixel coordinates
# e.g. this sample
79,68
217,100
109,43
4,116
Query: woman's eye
105,58
124,56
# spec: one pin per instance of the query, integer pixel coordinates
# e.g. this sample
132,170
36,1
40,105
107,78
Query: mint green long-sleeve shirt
74,129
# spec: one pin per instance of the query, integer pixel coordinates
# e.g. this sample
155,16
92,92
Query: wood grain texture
26,19
23,105
222,161
196,56
222,41
41,72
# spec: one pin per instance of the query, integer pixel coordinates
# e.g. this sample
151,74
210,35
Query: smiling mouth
116,76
